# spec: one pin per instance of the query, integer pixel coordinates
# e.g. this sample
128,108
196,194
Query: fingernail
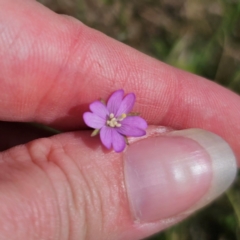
176,173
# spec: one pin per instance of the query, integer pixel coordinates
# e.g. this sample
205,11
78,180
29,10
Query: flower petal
106,136
126,104
94,121
114,101
99,109
133,126
118,141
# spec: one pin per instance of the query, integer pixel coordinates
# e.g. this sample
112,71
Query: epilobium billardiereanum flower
114,120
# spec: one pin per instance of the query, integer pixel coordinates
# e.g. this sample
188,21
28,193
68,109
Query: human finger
69,187
53,66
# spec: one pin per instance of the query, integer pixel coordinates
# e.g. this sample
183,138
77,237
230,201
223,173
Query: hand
68,186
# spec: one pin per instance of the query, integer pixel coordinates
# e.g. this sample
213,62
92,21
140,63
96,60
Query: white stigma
114,122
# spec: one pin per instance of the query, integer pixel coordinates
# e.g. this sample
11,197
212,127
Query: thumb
69,187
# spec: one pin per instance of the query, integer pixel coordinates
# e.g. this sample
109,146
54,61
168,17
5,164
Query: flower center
114,122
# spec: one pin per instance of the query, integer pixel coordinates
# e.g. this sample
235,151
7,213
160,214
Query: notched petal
126,104
99,109
131,131
133,126
115,101
118,142
92,120
106,136
135,121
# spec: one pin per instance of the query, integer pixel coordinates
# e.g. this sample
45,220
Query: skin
52,67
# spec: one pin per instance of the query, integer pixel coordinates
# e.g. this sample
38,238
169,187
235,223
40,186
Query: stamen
113,122
124,115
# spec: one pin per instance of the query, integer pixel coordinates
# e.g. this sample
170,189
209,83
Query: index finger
52,67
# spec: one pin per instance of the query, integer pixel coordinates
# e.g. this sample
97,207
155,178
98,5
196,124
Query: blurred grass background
200,36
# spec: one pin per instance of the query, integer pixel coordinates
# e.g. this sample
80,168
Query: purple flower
114,120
